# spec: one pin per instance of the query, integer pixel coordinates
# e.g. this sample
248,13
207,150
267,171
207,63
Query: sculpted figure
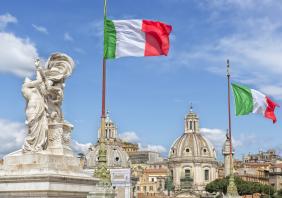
59,67
34,91
44,98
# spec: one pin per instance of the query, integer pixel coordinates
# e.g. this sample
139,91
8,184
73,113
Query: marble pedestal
102,192
50,173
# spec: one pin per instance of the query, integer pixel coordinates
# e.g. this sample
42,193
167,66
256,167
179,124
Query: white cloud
17,55
218,136
6,19
68,37
273,90
215,136
40,29
253,44
129,137
150,147
238,4
11,136
133,138
80,147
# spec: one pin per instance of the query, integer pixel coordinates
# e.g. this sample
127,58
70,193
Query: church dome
192,158
116,156
191,144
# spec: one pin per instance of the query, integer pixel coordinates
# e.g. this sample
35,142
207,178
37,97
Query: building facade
192,156
275,176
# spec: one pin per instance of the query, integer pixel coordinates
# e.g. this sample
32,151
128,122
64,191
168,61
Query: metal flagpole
231,189
102,171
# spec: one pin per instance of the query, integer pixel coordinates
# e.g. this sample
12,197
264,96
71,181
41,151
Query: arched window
190,127
195,125
207,175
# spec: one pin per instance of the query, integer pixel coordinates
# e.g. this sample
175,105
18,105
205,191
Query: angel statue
34,91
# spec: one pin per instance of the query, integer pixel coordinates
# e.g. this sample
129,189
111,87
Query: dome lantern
191,122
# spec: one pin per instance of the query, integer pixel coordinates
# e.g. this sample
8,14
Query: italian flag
135,38
252,101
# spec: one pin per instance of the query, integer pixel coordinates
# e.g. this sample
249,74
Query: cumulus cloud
17,55
6,19
40,29
68,37
215,136
129,137
133,138
11,136
218,136
80,147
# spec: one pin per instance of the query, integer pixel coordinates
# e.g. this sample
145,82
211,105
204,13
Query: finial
108,114
228,68
191,107
37,62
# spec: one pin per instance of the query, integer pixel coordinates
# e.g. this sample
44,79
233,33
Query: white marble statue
59,67
34,91
44,98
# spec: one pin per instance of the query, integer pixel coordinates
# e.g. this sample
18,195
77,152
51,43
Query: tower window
207,175
190,125
187,173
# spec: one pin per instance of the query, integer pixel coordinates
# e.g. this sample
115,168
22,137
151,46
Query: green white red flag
252,101
135,38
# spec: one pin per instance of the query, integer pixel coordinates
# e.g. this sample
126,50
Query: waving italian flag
252,101
135,38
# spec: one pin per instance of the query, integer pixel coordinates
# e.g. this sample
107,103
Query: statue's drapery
44,98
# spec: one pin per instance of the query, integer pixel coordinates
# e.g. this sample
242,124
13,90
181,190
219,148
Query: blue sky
147,97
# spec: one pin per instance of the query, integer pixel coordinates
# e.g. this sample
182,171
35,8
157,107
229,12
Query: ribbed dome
116,156
192,145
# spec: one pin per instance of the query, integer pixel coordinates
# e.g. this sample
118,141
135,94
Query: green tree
244,187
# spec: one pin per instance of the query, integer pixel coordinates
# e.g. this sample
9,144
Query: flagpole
231,188
102,171
229,117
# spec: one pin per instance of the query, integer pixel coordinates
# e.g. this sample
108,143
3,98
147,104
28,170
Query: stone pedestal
44,174
102,192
